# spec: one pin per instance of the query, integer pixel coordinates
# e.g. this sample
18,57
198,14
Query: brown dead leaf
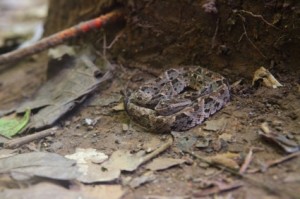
267,78
281,140
119,107
226,159
163,163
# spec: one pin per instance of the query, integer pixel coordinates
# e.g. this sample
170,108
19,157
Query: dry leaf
119,107
226,159
267,78
145,178
48,165
163,163
91,172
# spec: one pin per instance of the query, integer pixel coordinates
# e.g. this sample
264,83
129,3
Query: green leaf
12,126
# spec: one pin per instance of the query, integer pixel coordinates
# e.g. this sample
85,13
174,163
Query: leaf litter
123,160
86,159
39,164
68,86
264,75
47,190
281,140
205,144
84,165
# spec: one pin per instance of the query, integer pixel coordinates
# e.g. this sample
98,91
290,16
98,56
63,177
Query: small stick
213,41
253,181
12,144
276,162
247,161
62,36
161,149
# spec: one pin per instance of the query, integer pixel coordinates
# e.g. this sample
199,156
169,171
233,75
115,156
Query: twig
260,17
247,161
246,35
270,189
26,139
62,36
276,162
161,149
115,39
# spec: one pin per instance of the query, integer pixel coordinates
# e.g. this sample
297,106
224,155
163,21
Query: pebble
125,127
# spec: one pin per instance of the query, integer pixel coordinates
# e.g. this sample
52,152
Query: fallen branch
12,144
62,36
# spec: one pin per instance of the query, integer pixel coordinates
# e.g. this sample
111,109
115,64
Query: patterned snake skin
178,99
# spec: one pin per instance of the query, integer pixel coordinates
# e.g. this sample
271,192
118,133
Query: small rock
188,160
89,122
89,128
67,123
226,137
56,145
202,143
203,165
125,127
209,172
149,150
215,125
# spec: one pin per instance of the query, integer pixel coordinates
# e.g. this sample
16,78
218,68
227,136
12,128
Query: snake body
178,99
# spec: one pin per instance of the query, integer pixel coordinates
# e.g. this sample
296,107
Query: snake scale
178,99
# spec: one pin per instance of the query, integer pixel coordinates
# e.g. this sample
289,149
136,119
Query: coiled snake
178,99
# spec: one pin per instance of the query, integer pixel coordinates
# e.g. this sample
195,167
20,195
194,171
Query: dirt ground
247,110
249,107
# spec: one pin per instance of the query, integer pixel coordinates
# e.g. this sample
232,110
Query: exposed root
258,16
213,40
246,35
